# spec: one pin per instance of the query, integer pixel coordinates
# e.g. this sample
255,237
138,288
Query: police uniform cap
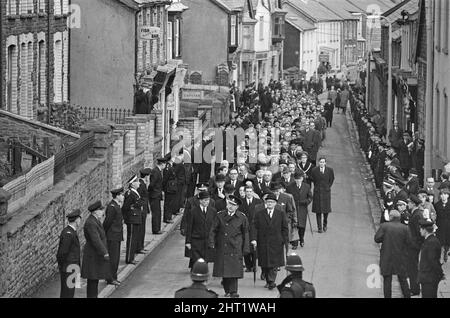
413,198
271,196
132,179
234,200
145,172
401,202
72,216
422,191
424,223
203,195
445,191
161,160
201,185
117,191
294,263
413,171
228,188
95,206
220,177
200,271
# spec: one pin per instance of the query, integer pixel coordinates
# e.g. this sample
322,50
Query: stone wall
29,241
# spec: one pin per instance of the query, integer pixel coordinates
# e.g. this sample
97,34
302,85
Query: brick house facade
34,55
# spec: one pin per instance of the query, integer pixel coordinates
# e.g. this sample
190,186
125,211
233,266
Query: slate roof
341,8
367,5
315,10
299,22
394,14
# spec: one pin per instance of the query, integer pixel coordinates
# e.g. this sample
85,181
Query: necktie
270,213
204,210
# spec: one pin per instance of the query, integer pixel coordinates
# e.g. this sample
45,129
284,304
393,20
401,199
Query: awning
163,77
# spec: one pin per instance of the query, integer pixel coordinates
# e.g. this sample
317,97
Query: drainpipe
1,58
428,165
48,64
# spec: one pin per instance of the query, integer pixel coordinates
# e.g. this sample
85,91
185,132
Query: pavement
51,288
340,263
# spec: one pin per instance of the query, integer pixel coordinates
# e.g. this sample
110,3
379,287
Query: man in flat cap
143,192
198,225
113,225
417,240
68,255
96,264
132,210
430,268
270,234
155,193
229,236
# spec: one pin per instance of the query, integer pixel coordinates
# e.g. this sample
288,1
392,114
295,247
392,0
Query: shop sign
149,32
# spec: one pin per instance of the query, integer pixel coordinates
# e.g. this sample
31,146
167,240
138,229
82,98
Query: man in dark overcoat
301,191
270,234
170,188
430,268
95,264
248,207
113,225
395,239
323,179
155,194
229,236
416,242
198,225
68,255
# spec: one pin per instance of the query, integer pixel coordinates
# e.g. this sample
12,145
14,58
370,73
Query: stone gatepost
143,124
4,198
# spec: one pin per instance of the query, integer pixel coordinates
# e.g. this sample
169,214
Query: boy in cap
68,255
113,225
95,256
229,236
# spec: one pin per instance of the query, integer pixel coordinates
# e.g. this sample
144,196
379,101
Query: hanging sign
149,32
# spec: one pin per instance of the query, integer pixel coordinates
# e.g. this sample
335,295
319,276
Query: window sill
42,14
62,16
27,15
13,17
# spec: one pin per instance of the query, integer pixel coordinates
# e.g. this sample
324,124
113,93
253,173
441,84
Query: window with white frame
11,78
233,28
42,72
169,40
57,7
177,37
58,69
65,6
26,6
261,28
65,65
41,6
11,7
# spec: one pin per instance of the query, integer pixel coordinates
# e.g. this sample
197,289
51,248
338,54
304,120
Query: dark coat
443,222
322,190
94,264
198,226
404,155
271,235
287,204
68,249
430,269
413,187
156,185
307,169
250,210
414,228
395,137
395,238
196,290
229,235
302,198
143,192
220,204
190,204
113,223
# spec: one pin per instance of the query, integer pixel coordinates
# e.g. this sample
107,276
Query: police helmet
200,271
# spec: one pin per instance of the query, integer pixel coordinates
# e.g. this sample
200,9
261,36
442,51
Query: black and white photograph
227,149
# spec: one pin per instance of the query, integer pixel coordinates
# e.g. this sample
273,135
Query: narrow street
335,262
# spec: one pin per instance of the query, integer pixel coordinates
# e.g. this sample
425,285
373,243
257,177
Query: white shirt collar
135,191
73,227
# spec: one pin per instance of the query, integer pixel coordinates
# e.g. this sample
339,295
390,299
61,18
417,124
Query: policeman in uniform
143,192
113,225
68,254
132,210
199,276
293,286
